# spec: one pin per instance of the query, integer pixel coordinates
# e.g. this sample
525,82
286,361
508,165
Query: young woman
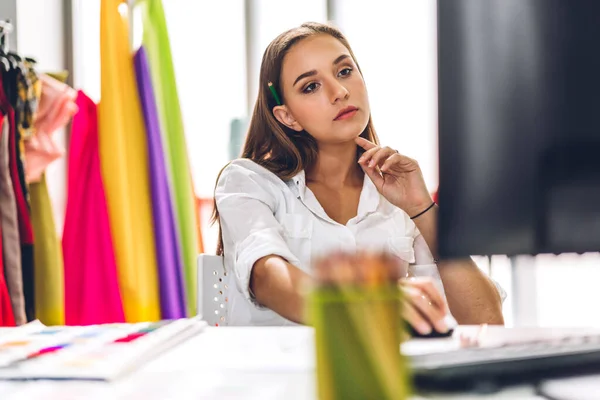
313,180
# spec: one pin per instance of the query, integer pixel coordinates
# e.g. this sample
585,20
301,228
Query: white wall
8,11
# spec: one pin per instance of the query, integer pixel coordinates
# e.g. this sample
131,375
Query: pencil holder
358,333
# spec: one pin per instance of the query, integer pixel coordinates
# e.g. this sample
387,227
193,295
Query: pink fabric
57,106
91,287
40,151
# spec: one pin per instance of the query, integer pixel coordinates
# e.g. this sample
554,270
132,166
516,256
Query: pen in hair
274,93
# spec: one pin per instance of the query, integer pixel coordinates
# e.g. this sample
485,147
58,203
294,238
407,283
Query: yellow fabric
124,163
48,258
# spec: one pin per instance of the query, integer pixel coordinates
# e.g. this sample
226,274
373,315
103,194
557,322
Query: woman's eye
345,72
310,87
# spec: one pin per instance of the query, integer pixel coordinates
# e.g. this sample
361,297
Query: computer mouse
450,322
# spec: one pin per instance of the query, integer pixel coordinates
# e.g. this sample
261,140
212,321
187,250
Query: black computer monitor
519,126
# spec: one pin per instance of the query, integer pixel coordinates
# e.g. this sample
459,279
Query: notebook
96,352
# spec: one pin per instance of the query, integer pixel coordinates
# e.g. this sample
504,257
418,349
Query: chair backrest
212,290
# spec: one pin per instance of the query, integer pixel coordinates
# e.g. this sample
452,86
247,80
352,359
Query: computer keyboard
509,363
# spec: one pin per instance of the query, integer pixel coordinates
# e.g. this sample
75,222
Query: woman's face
324,92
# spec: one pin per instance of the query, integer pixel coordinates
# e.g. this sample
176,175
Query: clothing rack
5,29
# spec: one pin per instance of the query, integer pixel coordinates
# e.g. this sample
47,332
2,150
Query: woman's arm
472,297
280,286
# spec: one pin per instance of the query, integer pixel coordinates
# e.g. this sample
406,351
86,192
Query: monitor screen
519,126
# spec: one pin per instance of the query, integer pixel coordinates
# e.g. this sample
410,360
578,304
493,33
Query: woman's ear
284,116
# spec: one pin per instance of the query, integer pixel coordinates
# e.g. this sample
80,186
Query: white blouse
260,214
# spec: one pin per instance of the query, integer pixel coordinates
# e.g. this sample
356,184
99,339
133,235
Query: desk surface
231,363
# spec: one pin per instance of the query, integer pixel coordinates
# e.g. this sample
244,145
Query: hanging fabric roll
11,244
124,160
172,291
16,224
197,207
19,91
156,42
91,285
7,317
40,150
49,284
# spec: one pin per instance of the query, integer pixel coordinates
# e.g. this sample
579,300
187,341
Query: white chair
212,290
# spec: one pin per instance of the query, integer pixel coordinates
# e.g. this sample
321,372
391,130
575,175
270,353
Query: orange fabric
198,222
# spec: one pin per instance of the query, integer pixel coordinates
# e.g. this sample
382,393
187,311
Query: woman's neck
336,166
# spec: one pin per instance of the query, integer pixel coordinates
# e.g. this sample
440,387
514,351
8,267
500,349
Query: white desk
223,363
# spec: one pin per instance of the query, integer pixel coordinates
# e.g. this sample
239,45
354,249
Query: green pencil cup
358,332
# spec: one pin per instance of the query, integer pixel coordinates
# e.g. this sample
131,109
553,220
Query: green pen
274,92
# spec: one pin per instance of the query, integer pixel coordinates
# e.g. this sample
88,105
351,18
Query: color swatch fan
96,352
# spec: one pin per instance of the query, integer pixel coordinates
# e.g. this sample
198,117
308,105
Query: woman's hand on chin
398,178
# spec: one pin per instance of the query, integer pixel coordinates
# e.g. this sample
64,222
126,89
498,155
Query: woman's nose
338,92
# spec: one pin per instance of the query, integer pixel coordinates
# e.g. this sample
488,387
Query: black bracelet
424,211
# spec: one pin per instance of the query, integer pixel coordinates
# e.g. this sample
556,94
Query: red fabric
91,287
7,317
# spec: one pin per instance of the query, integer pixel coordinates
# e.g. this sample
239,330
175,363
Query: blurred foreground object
355,309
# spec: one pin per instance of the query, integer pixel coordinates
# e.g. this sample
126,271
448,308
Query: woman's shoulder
242,172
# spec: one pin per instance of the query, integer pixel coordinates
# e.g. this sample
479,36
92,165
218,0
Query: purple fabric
168,249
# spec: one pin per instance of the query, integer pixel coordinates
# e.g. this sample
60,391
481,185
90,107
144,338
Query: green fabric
48,258
156,42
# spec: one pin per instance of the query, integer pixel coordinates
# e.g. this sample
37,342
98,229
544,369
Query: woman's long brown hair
269,143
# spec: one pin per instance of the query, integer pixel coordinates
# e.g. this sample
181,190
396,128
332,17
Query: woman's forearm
280,286
472,297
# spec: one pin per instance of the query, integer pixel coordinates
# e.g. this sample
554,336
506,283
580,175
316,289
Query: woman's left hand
398,178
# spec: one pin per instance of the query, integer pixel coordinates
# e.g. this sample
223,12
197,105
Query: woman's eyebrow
314,71
340,59
305,75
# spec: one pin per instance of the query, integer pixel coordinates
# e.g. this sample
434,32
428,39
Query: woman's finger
427,286
434,314
374,175
364,143
406,164
381,156
428,309
394,159
366,156
415,319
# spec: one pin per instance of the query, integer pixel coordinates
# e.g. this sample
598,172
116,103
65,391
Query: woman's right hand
424,307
